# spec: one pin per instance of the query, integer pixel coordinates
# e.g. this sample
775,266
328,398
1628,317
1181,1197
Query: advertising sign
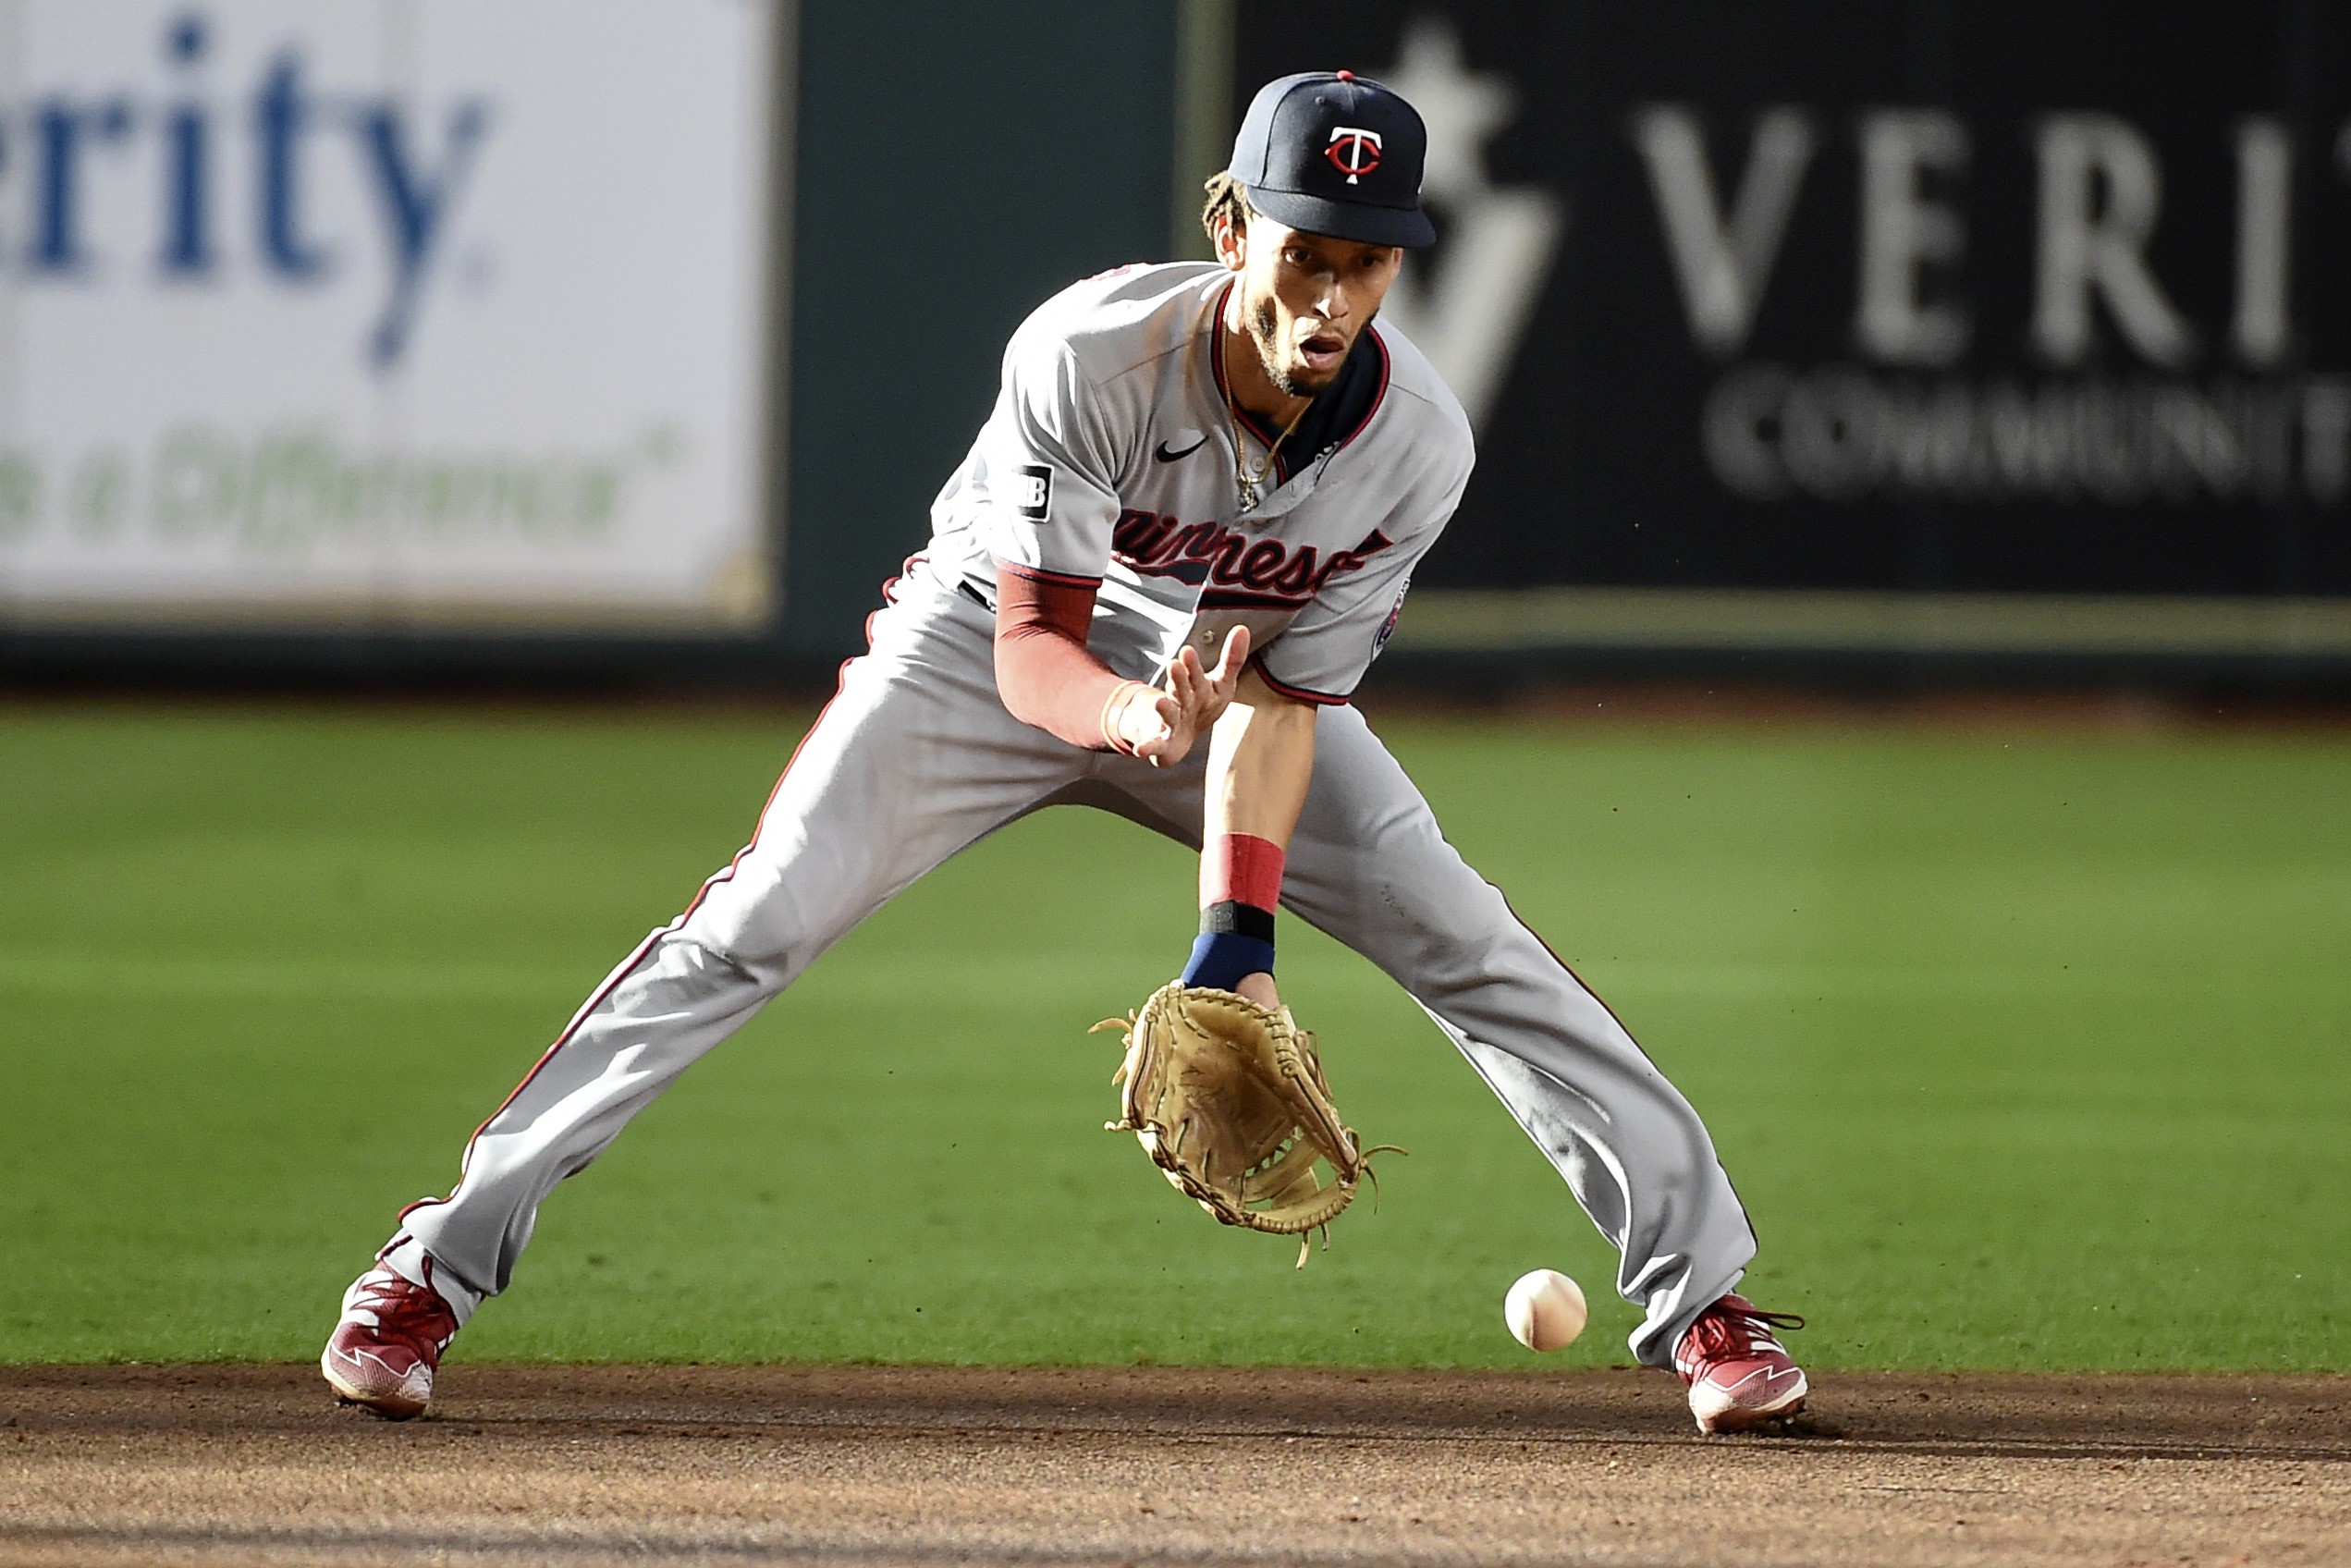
1879,323
410,313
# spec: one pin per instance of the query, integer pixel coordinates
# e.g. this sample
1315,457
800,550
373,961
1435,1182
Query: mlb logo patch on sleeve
1032,492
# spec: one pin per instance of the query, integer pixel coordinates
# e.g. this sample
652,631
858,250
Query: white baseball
1545,1310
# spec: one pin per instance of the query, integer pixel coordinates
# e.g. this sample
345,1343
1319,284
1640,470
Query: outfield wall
394,317
1997,332
1826,338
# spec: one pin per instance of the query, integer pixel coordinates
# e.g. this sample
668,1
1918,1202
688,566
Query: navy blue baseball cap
1332,153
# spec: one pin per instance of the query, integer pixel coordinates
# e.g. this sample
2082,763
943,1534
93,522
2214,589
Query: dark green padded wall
957,163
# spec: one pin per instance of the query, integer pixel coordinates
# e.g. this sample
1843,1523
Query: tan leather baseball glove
1229,1099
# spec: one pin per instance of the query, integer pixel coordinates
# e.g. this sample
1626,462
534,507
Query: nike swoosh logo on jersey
1163,454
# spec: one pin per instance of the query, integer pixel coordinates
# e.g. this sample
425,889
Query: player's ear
1232,242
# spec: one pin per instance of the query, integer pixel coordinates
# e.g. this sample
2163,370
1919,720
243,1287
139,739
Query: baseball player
1178,543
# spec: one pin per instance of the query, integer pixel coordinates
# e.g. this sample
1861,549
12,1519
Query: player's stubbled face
1306,298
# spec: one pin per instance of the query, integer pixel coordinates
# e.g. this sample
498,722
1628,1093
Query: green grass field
2025,1050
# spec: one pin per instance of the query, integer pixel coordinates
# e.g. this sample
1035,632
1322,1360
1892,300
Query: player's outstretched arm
1261,757
1048,677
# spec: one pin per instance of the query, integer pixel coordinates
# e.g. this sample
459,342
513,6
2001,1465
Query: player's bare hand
1162,731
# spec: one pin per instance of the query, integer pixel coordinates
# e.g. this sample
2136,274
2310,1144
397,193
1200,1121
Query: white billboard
386,312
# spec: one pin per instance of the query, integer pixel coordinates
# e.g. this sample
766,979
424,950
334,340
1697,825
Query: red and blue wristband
1240,889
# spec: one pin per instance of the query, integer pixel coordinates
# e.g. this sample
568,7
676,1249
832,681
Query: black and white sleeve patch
1032,492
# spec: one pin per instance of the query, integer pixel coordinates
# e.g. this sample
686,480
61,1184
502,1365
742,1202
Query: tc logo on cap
1329,154
1354,152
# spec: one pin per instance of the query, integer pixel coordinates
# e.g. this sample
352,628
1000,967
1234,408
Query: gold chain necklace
1248,482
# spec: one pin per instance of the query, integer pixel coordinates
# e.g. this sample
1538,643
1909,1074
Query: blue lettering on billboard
413,167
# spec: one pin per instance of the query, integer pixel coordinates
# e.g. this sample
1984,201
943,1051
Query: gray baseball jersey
1110,458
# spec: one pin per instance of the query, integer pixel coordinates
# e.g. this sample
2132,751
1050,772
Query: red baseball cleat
385,1351
1740,1377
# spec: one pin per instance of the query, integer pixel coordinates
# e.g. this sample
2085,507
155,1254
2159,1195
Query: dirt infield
878,1465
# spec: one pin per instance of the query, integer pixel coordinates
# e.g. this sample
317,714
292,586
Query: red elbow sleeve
1043,670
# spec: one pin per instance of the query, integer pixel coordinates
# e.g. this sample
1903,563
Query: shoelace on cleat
412,1314
1734,1329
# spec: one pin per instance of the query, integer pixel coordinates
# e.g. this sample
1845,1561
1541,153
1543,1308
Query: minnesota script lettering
1266,572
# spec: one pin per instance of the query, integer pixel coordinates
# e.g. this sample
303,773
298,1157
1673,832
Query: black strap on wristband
1231,917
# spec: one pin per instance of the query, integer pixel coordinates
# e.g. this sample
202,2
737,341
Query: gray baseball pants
916,759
